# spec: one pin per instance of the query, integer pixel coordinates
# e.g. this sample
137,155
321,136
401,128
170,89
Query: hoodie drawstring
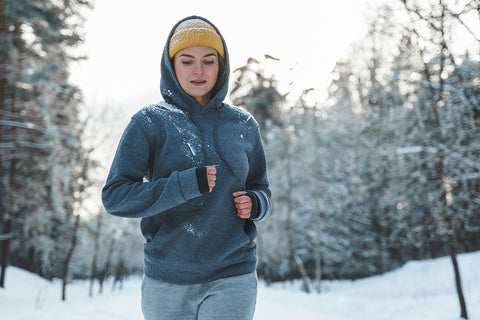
215,141
220,153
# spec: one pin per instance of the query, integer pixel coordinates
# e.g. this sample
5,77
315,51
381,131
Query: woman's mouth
198,82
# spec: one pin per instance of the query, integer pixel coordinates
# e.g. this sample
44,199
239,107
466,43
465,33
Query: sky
125,39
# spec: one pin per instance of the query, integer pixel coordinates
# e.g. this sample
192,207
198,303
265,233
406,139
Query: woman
194,170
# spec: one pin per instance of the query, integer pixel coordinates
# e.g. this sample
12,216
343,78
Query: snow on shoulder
241,114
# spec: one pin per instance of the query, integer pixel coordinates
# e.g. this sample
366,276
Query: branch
15,156
457,16
29,126
26,144
411,150
415,11
7,236
448,153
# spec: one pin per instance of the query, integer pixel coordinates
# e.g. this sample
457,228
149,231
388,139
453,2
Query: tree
387,170
39,129
258,93
439,93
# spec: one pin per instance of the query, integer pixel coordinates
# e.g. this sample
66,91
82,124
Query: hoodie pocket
210,240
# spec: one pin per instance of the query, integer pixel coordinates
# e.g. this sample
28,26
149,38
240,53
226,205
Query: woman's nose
198,69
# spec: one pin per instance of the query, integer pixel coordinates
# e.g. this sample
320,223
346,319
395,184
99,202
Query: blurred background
369,112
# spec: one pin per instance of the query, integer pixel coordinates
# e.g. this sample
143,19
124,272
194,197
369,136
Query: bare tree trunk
7,228
288,231
4,220
437,97
449,223
69,257
4,249
120,272
106,268
93,269
450,230
456,270
318,246
7,205
301,270
295,257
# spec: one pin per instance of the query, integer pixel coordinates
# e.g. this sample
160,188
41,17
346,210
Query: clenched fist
243,203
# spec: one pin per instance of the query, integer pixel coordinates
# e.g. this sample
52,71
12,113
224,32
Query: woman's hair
222,76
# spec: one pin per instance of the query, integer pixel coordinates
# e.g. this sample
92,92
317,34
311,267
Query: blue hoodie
190,236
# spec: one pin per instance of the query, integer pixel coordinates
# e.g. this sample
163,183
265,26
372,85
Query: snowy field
417,291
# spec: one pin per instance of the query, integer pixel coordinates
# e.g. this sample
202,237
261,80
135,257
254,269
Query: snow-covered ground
417,291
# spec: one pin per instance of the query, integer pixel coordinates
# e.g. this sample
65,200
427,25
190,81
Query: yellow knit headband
195,32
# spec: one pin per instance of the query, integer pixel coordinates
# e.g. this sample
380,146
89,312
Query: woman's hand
243,203
211,177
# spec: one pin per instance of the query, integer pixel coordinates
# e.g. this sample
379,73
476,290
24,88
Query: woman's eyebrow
190,56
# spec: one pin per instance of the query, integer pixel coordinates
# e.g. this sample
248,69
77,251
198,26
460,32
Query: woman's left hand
243,203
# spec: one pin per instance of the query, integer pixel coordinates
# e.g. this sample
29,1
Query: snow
190,145
168,106
417,291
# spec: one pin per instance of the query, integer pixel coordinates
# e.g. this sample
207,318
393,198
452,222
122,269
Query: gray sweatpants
232,298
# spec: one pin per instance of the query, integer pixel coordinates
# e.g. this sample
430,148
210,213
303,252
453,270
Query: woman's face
196,69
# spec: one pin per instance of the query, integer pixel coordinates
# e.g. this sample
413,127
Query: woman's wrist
202,180
255,208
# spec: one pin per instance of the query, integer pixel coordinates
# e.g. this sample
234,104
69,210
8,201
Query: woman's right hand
211,177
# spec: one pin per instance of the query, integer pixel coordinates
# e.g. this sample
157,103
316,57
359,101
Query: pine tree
42,156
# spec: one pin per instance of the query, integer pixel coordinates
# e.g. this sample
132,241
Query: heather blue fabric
231,298
190,237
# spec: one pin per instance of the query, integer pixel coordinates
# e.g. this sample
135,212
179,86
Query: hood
170,88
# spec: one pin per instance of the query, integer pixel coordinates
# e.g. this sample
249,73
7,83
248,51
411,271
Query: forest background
384,170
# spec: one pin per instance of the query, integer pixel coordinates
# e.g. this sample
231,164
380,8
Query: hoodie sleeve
257,180
126,194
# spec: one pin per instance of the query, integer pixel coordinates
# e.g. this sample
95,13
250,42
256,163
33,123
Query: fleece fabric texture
231,298
190,237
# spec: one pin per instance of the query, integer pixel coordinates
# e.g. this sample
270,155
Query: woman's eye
209,62
186,63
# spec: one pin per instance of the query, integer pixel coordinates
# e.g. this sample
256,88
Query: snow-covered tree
43,162
363,171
